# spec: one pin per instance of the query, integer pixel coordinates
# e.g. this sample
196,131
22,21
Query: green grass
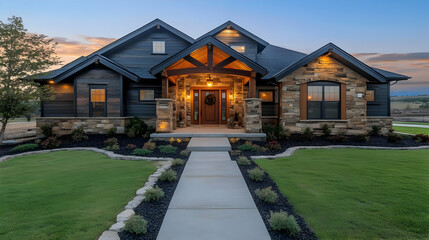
412,130
65,195
357,194
416,123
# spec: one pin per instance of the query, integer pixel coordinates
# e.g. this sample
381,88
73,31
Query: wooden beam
210,56
225,62
194,61
185,71
232,71
252,85
164,84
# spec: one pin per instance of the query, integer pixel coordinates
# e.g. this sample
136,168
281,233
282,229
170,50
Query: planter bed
281,204
154,212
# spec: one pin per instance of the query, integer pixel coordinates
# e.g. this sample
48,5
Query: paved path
410,125
212,200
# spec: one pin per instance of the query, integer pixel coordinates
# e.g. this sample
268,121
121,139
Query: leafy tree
22,54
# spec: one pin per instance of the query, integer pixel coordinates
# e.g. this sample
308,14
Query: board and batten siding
134,107
63,104
381,104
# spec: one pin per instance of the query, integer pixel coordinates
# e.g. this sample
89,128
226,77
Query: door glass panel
98,99
196,107
223,106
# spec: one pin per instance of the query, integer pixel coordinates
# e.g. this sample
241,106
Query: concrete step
209,144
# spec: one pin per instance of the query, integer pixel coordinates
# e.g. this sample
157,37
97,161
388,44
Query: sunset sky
392,35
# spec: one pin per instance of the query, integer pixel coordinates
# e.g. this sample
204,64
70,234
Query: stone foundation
252,115
384,122
92,125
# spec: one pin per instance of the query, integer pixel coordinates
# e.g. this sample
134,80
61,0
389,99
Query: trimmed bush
394,138
275,133
111,132
150,146
135,127
46,130
243,161
267,195
256,174
273,146
326,130
112,148
185,152
177,162
308,135
153,194
111,144
141,152
79,135
280,221
362,138
375,130
50,142
131,146
421,138
168,176
168,149
24,147
248,146
136,224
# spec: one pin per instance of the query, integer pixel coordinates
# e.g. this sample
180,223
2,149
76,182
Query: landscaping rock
135,202
117,227
109,235
125,215
142,190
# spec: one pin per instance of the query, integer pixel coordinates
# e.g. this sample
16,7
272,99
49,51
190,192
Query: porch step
209,144
250,136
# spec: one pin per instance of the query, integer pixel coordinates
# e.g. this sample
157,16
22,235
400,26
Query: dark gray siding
269,109
381,104
145,108
63,104
233,37
98,76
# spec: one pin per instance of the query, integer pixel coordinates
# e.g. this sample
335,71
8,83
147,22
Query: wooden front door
209,106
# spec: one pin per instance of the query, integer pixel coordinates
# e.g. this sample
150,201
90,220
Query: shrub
326,130
177,162
234,140
338,138
111,144
185,152
235,152
141,152
135,127
149,131
111,132
24,147
168,149
362,138
46,130
150,146
308,135
275,133
112,148
153,194
243,161
168,176
79,135
282,134
393,137
171,140
131,146
375,130
256,174
274,146
267,195
248,146
421,138
136,224
280,221
179,140
50,142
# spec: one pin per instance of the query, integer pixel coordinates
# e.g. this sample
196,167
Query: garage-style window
323,100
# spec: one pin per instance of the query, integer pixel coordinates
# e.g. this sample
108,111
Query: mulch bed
154,212
281,204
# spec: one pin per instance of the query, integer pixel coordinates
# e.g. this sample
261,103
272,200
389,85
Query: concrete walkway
410,125
212,200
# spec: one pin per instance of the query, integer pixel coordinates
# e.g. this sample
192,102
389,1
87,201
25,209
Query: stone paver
209,144
212,201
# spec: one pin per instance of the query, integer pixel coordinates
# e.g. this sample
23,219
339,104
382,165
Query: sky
388,34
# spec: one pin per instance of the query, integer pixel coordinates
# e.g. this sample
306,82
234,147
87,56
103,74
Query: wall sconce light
51,82
209,81
309,97
188,97
163,125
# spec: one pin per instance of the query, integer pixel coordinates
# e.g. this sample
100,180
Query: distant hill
417,98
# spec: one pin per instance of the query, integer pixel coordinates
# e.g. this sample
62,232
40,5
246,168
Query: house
228,76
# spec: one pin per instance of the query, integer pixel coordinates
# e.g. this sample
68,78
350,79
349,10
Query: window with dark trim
266,96
238,47
97,101
146,95
158,47
323,100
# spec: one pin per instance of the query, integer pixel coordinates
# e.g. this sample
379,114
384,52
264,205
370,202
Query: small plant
149,131
179,140
375,130
234,140
153,194
24,147
421,138
326,130
112,148
273,146
111,132
79,135
235,152
362,138
46,130
168,176
256,174
282,134
243,161
135,127
50,142
177,162
111,144
280,221
339,138
308,135
141,152
249,146
131,146
171,140
150,146
168,149
394,138
185,152
136,224
267,195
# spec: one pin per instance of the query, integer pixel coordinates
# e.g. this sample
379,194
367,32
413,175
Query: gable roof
200,43
343,57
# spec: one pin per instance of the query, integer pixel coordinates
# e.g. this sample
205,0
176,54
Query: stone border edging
290,151
109,154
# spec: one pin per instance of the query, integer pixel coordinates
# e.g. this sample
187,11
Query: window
146,95
239,48
266,96
323,100
158,47
97,106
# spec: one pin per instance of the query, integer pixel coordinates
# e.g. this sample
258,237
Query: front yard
412,130
357,194
66,194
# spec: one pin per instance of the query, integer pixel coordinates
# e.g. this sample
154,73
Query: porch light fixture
51,82
209,81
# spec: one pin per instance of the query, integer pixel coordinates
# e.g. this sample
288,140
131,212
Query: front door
210,106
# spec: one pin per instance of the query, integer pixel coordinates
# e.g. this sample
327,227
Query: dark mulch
282,204
154,212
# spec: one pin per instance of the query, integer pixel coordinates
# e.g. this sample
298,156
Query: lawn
66,194
415,123
357,194
412,130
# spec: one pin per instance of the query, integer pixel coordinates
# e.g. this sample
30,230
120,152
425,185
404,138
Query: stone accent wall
65,125
253,115
384,122
324,68
164,115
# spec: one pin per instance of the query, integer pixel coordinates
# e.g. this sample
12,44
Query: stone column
164,115
252,115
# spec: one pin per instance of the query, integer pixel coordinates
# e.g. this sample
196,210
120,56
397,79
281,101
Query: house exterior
228,77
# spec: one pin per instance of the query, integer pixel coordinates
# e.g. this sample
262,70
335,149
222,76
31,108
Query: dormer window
239,48
158,47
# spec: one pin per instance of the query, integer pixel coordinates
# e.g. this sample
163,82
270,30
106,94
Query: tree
22,55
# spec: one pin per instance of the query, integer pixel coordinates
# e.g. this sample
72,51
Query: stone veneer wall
93,125
384,122
324,68
253,115
164,115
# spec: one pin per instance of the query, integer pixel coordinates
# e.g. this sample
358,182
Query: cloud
393,57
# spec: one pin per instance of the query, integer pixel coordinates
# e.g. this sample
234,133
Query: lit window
98,102
266,96
323,100
239,48
158,47
147,95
